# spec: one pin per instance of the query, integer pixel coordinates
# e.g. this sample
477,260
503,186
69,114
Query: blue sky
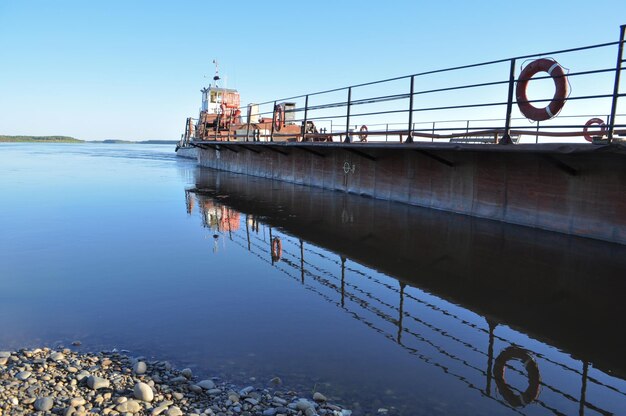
133,69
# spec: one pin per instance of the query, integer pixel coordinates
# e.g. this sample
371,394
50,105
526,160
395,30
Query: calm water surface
375,304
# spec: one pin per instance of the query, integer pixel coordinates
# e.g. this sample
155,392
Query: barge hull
573,189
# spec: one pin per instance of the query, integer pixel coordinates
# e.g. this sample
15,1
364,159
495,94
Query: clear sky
133,69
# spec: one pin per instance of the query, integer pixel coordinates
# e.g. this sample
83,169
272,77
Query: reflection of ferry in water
215,216
533,290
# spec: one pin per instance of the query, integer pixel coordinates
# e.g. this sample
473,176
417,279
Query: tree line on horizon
68,139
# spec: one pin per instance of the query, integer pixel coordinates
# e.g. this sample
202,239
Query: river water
375,304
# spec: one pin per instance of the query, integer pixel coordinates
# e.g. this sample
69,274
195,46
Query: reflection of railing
436,344
409,103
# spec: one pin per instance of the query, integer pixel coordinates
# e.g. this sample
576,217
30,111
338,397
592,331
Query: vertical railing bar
273,122
506,138
248,125
537,134
583,389
302,255
347,140
409,137
618,70
306,110
343,281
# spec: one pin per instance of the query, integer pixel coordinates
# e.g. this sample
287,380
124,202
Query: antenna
217,72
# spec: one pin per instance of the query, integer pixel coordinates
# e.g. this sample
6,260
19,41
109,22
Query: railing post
248,126
273,122
618,70
537,134
348,116
306,109
506,138
409,137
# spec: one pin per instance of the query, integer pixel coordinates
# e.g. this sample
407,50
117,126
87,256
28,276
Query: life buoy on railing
278,117
591,122
363,133
277,249
222,108
559,77
534,379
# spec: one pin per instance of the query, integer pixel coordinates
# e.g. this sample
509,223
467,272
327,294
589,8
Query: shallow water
375,304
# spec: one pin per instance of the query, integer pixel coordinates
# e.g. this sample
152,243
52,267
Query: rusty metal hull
572,189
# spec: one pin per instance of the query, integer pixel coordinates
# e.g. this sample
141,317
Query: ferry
220,119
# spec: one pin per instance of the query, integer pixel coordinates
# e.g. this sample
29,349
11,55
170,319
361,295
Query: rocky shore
63,382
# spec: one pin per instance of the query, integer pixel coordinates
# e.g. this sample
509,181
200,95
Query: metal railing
410,106
421,324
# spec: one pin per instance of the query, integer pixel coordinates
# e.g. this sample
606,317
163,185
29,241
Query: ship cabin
213,98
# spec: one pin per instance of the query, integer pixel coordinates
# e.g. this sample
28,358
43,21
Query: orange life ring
278,117
534,378
222,108
590,123
277,249
559,77
363,133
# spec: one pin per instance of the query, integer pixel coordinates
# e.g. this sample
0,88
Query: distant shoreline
68,139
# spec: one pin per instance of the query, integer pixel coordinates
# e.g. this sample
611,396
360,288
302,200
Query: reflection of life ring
278,117
277,249
590,123
559,77
534,378
363,133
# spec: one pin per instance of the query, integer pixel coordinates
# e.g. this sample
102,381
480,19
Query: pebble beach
46,381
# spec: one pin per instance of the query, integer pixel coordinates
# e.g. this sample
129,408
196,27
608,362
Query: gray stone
186,372
303,404
177,380
43,404
158,410
319,397
174,411
96,383
269,412
279,400
143,392
130,406
3,360
245,390
310,411
140,368
83,375
5,354
57,356
23,375
206,384
77,401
